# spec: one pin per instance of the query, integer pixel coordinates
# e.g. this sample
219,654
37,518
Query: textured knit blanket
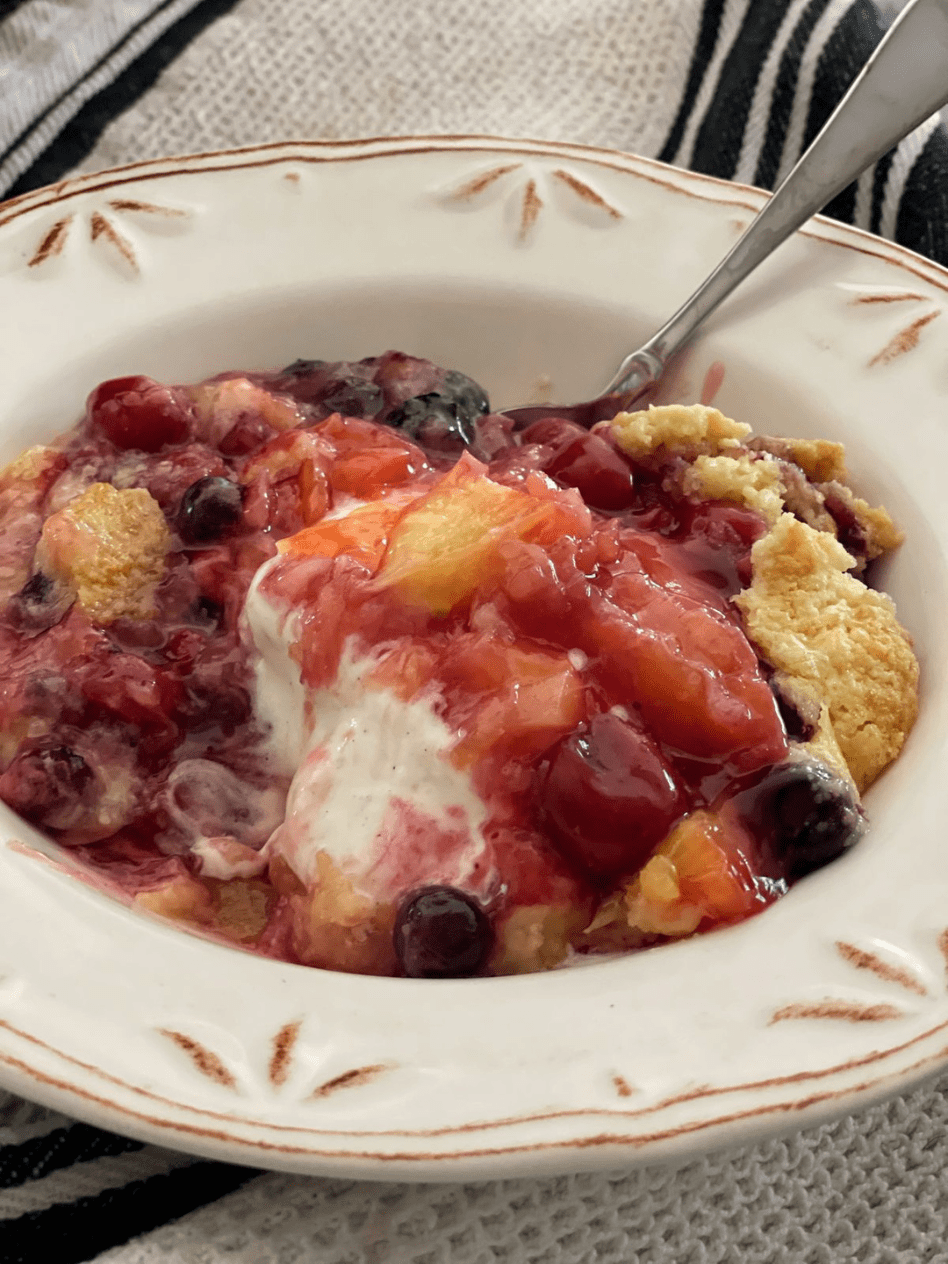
733,88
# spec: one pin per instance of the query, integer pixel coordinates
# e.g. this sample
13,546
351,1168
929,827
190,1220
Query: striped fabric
757,80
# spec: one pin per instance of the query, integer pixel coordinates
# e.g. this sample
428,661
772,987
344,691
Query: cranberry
584,461
137,412
608,796
808,815
205,704
441,933
248,434
46,785
718,539
209,509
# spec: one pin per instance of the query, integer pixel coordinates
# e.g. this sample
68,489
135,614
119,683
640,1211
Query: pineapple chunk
110,546
218,407
449,544
32,466
339,928
534,937
182,899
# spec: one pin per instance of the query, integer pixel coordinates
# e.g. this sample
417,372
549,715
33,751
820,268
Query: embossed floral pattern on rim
306,1080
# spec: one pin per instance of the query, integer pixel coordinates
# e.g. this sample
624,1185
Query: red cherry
584,461
608,796
138,412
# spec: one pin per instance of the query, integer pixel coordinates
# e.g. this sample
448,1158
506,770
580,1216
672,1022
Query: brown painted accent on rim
907,297
943,948
850,1011
530,208
585,193
52,243
479,183
99,226
207,1063
146,208
350,1079
293,177
905,340
864,960
697,1094
580,1143
150,169
282,1056
622,1085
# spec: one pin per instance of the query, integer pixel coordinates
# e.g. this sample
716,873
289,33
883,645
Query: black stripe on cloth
704,51
879,179
60,1148
922,222
80,134
843,56
9,6
102,61
781,107
71,1233
717,146
843,205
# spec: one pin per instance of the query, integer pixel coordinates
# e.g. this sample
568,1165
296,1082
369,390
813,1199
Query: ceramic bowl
533,267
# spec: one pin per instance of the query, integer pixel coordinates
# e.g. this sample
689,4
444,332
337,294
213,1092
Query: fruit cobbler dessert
334,664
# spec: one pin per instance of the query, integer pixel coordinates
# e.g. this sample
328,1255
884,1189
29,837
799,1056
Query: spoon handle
902,84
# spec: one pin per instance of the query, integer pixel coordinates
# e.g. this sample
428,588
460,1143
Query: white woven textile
606,72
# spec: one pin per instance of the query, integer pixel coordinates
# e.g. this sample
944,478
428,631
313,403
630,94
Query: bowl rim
537,1143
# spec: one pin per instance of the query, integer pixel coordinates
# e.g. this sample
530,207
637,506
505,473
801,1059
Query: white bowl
533,267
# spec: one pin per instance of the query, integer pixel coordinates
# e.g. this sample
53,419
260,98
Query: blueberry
209,509
38,588
470,398
814,816
39,604
441,933
353,397
299,368
443,420
205,611
799,711
433,422
46,785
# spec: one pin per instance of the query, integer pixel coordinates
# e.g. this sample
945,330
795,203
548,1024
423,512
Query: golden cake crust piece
819,625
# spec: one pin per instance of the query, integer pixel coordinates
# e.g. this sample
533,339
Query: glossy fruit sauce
565,617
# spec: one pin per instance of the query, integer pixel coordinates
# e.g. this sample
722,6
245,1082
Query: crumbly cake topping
824,628
687,428
836,644
744,480
110,546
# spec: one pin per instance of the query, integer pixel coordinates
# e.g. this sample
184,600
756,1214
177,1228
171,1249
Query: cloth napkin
733,88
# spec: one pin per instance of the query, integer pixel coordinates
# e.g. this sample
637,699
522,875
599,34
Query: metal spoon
902,84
